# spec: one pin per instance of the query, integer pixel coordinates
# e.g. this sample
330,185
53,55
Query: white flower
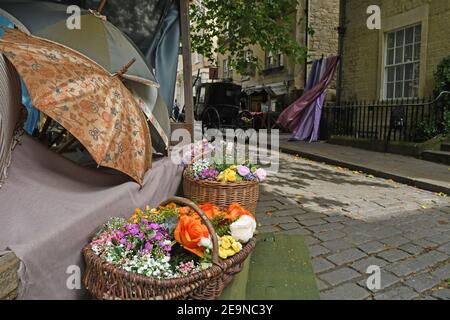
205,242
261,174
243,229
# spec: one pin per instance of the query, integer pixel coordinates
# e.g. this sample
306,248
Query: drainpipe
341,30
306,42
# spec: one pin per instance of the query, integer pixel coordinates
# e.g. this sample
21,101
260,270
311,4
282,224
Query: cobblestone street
351,220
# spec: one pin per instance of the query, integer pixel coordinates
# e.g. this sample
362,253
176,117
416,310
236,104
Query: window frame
415,62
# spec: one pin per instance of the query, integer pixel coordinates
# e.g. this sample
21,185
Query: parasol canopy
105,44
91,103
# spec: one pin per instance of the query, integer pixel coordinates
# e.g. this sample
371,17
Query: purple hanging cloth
306,123
291,117
309,123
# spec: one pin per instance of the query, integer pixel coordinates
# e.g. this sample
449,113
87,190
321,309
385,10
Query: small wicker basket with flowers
223,181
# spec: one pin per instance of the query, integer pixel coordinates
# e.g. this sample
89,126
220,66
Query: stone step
437,156
445,147
9,280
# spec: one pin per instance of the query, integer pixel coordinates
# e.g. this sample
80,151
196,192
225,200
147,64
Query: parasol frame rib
125,68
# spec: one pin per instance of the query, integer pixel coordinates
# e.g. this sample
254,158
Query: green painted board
278,269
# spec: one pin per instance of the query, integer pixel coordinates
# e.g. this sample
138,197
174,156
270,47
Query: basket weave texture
222,194
106,281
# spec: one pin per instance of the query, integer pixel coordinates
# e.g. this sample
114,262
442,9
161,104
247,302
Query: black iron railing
393,120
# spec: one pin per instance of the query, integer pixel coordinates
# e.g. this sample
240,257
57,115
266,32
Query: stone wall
9,281
364,48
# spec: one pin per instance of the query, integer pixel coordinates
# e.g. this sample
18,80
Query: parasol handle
101,6
126,67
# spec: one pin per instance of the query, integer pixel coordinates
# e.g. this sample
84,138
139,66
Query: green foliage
111,225
442,77
238,25
446,122
221,225
442,83
426,130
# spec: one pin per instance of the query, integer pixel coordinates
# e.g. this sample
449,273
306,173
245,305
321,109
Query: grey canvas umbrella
102,42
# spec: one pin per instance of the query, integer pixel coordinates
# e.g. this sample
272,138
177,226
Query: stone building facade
280,80
400,59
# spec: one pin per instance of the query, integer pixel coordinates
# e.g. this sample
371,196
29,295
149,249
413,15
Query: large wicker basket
222,194
106,281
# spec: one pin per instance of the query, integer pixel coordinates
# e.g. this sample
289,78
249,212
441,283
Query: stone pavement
352,220
424,174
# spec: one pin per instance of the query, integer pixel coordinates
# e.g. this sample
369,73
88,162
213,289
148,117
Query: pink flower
243,171
261,174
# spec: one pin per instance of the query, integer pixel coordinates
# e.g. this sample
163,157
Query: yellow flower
237,247
233,167
230,252
225,243
228,175
171,205
154,211
223,253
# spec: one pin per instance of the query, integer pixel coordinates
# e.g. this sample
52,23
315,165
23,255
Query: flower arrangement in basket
222,180
170,252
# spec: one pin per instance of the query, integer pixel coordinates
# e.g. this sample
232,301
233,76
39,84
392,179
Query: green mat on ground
278,269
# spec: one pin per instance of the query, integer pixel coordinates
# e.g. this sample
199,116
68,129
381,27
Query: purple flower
157,237
141,236
133,229
153,226
208,174
120,234
243,171
148,247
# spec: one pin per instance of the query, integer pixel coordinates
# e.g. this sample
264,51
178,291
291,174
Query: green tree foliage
240,24
442,80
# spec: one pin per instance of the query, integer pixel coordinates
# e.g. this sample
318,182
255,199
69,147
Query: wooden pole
101,6
187,65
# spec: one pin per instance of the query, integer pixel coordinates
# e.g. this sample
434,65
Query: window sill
271,70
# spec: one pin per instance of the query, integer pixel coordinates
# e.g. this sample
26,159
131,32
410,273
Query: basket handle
212,232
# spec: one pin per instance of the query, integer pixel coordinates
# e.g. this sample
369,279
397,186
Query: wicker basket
222,194
106,281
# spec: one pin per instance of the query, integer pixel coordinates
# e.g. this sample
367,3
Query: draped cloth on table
302,118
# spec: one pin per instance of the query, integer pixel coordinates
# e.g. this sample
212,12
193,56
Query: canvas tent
50,207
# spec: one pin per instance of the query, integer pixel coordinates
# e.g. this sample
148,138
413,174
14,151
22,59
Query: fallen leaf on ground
269,214
441,194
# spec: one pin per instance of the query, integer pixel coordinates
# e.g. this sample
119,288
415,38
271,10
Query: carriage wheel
210,120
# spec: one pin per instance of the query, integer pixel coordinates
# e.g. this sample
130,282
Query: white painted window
402,63
274,60
227,69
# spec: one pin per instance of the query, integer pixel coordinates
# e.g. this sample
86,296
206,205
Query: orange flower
184,211
210,210
189,232
235,211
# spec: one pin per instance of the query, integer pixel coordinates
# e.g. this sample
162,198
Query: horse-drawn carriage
218,106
